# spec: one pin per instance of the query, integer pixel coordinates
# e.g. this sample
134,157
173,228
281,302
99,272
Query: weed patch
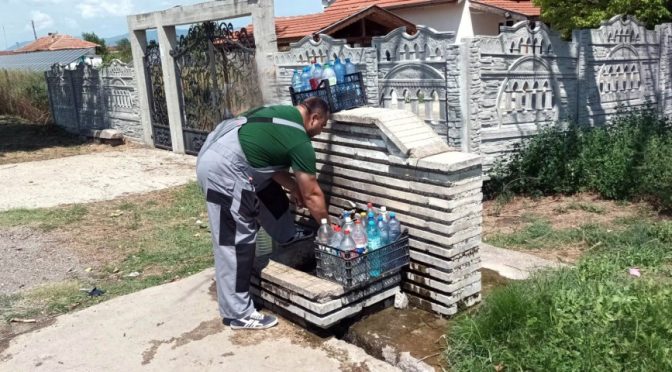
594,317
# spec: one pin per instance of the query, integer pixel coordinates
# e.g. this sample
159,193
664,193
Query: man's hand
296,197
312,195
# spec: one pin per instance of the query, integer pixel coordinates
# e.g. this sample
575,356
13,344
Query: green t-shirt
272,144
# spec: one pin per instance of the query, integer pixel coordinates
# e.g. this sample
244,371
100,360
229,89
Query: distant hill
19,45
151,35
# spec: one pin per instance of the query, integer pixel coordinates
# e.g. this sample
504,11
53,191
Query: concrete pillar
465,94
266,42
167,42
138,41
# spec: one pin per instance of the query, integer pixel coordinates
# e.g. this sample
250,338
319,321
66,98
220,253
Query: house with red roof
359,20
52,49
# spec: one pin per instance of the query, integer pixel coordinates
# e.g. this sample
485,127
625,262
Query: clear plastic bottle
383,212
305,78
348,246
395,227
359,236
348,225
350,68
362,217
369,208
339,70
329,74
297,84
324,233
336,238
316,75
371,217
384,231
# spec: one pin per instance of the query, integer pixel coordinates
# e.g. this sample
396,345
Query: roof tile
57,42
300,26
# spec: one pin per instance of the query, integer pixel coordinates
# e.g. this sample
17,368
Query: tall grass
24,94
595,317
630,158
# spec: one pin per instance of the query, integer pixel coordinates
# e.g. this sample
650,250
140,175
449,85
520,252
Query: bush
629,158
594,317
24,94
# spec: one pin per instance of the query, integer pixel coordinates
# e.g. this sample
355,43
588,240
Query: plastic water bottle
384,231
348,246
329,74
373,236
339,70
297,84
336,238
348,225
359,236
395,227
324,233
371,217
369,208
375,262
362,217
305,79
383,212
350,68
316,75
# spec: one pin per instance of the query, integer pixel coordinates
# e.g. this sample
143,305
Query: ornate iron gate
157,98
218,78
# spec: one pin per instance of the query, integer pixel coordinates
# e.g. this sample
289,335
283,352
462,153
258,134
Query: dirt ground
31,257
21,141
561,212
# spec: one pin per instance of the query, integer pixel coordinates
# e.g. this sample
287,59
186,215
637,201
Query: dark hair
316,105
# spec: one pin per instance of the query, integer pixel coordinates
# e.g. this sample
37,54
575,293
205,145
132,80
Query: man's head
315,113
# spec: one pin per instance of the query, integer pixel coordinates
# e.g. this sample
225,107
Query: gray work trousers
239,199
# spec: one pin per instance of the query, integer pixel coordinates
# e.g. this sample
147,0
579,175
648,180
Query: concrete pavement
512,264
175,327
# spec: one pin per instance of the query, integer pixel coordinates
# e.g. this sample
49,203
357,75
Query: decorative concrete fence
88,99
481,95
486,94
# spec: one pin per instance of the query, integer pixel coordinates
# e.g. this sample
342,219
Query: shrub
629,158
594,317
24,94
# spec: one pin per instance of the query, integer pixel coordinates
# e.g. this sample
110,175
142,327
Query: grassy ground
22,141
597,316
556,228
158,235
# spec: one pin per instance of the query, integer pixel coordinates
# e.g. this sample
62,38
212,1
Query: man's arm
285,180
312,194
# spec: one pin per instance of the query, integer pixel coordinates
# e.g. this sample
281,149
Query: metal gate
217,78
157,98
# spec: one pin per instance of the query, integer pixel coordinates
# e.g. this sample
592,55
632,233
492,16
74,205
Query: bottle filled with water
395,227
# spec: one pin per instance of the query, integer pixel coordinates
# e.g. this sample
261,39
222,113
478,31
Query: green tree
101,49
124,50
566,15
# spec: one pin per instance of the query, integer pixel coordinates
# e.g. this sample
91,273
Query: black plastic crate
343,96
353,270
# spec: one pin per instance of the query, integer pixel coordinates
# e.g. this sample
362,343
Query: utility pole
34,33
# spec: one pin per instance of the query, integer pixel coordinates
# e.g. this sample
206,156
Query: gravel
31,257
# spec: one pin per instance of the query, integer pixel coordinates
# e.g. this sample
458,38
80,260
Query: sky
107,18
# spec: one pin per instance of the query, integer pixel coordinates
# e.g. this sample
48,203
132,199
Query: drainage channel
409,338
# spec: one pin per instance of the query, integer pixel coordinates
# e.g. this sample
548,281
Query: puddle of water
419,332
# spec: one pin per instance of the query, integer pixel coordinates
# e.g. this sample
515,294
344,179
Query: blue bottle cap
371,215
392,215
347,60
